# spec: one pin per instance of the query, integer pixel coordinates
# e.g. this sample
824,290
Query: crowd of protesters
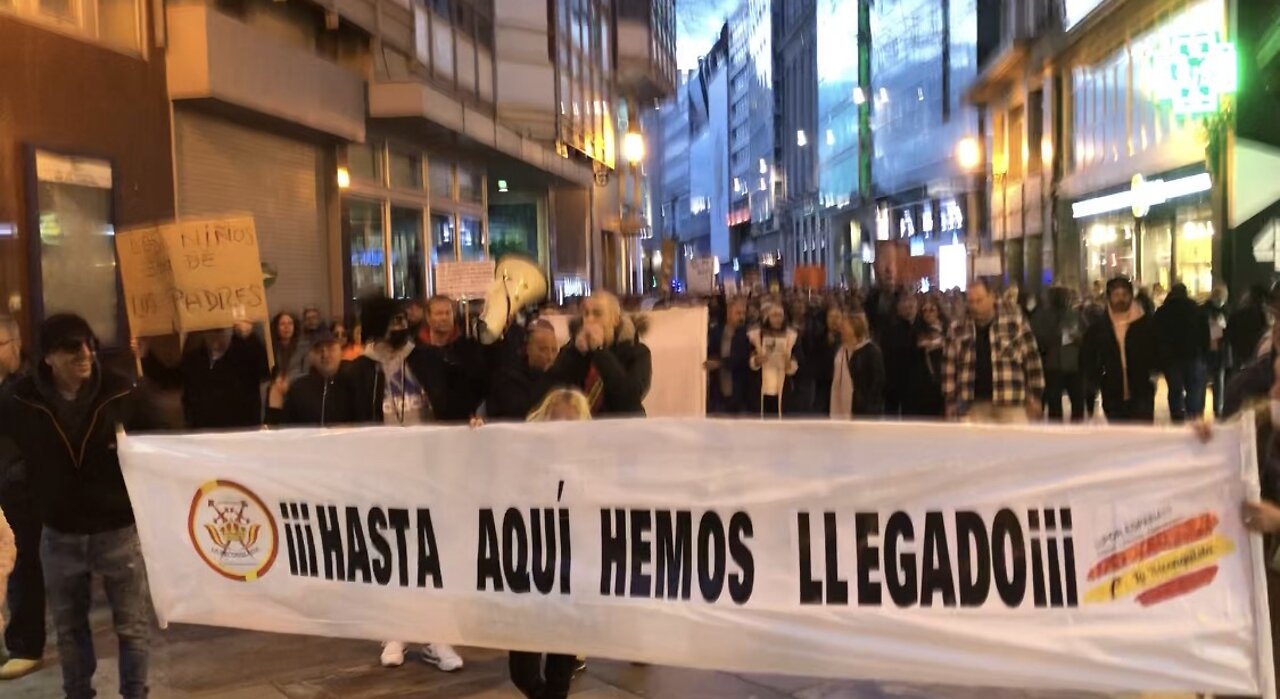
888,352
985,354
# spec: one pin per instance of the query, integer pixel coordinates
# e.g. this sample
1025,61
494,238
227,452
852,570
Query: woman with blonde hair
562,404
858,387
527,669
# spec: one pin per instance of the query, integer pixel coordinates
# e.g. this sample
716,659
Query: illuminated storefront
1156,231
1138,192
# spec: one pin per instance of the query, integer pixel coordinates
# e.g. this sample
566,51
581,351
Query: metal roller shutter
225,167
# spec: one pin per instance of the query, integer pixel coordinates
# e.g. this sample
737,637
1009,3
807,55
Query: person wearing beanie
395,382
1118,355
81,498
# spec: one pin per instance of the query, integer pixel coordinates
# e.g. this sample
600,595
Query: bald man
520,380
605,359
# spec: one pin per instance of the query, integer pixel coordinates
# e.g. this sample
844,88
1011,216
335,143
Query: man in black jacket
1246,326
462,358
605,359
729,362
323,397
1119,356
1219,349
521,363
222,371
24,636
63,419
1182,328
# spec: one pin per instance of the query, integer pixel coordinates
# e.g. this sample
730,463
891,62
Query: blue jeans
70,561
1186,381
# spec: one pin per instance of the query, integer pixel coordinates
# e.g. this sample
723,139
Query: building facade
802,238
1109,153
751,123
924,55
371,140
84,151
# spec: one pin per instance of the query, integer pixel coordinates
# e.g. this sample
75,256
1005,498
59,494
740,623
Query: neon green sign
1195,72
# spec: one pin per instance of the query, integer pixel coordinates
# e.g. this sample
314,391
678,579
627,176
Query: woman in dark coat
923,397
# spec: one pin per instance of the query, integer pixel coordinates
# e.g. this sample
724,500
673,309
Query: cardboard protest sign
810,277
464,279
148,282
217,272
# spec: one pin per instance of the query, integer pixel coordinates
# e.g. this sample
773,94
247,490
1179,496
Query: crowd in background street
887,352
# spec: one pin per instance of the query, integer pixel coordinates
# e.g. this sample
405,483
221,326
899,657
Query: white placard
464,279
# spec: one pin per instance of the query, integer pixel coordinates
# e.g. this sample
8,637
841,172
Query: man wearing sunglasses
63,419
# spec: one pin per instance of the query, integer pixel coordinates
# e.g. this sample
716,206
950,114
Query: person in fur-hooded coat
776,355
606,359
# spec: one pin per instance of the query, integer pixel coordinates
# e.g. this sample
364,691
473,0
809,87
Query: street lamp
633,147
968,154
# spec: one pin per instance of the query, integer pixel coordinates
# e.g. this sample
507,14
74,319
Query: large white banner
1108,559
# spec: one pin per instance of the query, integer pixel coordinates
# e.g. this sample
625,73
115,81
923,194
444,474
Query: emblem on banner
1167,561
232,530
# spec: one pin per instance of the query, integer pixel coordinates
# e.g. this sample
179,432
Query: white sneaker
442,656
392,654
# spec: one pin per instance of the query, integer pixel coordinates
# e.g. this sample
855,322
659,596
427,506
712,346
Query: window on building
363,229
406,169
385,209
364,161
115,23
471,242
443,238
407,278
470,186
441,177
77,241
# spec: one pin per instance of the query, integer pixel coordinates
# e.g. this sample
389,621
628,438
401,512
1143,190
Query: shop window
1157,252
407,280
364,161
77,241
440,174
406,170
443,237
364,240
471,243
1194,248
513,228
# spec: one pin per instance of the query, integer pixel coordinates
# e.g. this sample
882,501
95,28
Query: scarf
1120,324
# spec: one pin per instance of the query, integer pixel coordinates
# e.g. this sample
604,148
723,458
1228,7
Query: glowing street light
633,147
968,154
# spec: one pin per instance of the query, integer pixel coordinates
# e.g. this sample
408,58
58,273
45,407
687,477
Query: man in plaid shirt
991,370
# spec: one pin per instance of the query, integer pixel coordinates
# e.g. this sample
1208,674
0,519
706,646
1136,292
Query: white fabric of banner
1105,559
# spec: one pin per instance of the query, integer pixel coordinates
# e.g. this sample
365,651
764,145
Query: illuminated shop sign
1194,72
1142,195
